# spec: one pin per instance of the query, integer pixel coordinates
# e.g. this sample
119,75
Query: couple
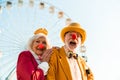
41,62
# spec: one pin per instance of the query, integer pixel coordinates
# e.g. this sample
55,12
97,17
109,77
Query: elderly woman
32,64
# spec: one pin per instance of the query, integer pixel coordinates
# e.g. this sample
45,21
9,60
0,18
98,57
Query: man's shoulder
57,49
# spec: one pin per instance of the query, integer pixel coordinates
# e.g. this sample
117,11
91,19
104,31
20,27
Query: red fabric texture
27,67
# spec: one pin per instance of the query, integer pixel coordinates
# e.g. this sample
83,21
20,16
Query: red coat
27,67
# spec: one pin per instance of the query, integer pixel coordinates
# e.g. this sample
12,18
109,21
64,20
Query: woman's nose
41,46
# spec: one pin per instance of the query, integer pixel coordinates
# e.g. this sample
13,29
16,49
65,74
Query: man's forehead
72,32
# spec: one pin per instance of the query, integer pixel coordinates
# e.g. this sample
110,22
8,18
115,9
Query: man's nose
74,36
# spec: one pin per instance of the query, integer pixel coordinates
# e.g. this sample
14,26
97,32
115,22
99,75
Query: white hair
30,41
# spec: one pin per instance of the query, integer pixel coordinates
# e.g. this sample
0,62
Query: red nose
41,46
74,36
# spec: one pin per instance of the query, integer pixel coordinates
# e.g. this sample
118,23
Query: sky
101,19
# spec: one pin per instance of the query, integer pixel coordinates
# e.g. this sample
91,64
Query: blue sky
101,19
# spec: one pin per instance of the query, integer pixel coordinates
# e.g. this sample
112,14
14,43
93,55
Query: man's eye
70,34
78,35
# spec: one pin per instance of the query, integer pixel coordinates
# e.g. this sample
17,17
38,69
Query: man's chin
72,47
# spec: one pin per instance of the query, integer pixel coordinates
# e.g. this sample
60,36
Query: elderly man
65,64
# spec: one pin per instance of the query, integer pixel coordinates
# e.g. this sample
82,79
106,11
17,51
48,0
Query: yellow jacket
59,67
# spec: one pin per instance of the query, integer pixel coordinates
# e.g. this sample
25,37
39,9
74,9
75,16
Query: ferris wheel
18,20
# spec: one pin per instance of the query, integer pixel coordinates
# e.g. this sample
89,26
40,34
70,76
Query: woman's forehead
41,38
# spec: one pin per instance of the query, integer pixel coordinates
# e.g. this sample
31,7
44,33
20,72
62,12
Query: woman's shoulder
25,53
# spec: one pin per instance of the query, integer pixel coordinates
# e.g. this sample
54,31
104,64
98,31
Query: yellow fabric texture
59,67
41,30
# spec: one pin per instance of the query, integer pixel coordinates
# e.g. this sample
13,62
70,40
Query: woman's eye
37,41
44,42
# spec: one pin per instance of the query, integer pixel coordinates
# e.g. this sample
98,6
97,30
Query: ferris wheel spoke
18,21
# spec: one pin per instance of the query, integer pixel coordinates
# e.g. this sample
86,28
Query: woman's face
37,43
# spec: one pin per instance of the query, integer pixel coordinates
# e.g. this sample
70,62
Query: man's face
72,39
